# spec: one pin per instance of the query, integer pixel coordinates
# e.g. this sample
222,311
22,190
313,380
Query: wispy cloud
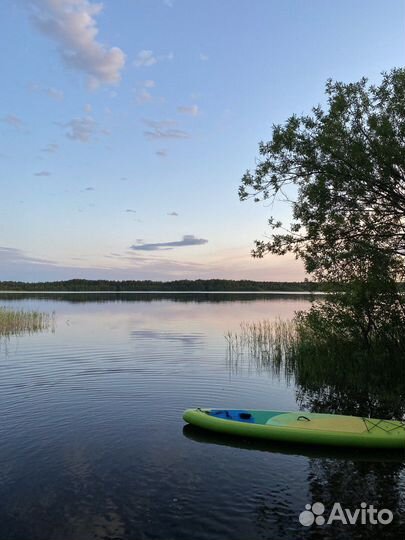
72,25
164,129
89,188
187,240
203,57
191,110
159,124
56,94
172,214
161,153
12,255
149,83
168,3
16,264
50,148
42,173
142,91
81,129
167,134
13,121
130,211
49,91
147,58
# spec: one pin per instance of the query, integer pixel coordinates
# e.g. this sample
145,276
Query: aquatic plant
18,322
265,344
331,374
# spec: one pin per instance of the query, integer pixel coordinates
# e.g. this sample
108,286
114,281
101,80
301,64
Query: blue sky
126,126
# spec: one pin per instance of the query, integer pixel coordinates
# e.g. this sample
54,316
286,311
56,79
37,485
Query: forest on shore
185,285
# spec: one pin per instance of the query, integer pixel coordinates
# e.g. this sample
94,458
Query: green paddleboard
302,427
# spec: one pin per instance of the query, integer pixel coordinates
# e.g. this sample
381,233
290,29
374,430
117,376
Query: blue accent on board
236,415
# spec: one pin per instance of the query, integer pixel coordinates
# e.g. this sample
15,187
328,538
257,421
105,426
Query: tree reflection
328,379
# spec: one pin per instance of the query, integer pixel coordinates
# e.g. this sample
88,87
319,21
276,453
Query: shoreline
165,292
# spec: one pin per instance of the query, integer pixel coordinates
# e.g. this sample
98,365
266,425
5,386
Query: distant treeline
205,285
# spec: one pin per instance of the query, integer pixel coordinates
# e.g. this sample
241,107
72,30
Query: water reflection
91,429
351,483
328,383
181,297
348,476
191,340
311,451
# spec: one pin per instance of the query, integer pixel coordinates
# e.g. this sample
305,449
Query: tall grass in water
18,322
266,344
330,374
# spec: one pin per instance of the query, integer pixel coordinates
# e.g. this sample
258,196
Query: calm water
93,445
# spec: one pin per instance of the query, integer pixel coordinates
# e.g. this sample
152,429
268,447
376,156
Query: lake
93,446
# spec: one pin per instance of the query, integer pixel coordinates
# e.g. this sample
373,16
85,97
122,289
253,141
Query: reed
267,343
330,373
18,322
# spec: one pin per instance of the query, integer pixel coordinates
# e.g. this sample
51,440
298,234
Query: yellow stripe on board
332,423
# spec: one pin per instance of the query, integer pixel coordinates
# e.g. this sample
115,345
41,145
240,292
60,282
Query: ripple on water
92,442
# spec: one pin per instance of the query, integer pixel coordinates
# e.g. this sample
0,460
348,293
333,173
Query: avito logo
314,513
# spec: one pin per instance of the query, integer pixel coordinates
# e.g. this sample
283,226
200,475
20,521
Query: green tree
345,166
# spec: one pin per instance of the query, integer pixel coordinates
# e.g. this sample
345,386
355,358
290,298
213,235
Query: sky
126,126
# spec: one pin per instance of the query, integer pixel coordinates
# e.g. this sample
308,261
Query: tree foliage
345,164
